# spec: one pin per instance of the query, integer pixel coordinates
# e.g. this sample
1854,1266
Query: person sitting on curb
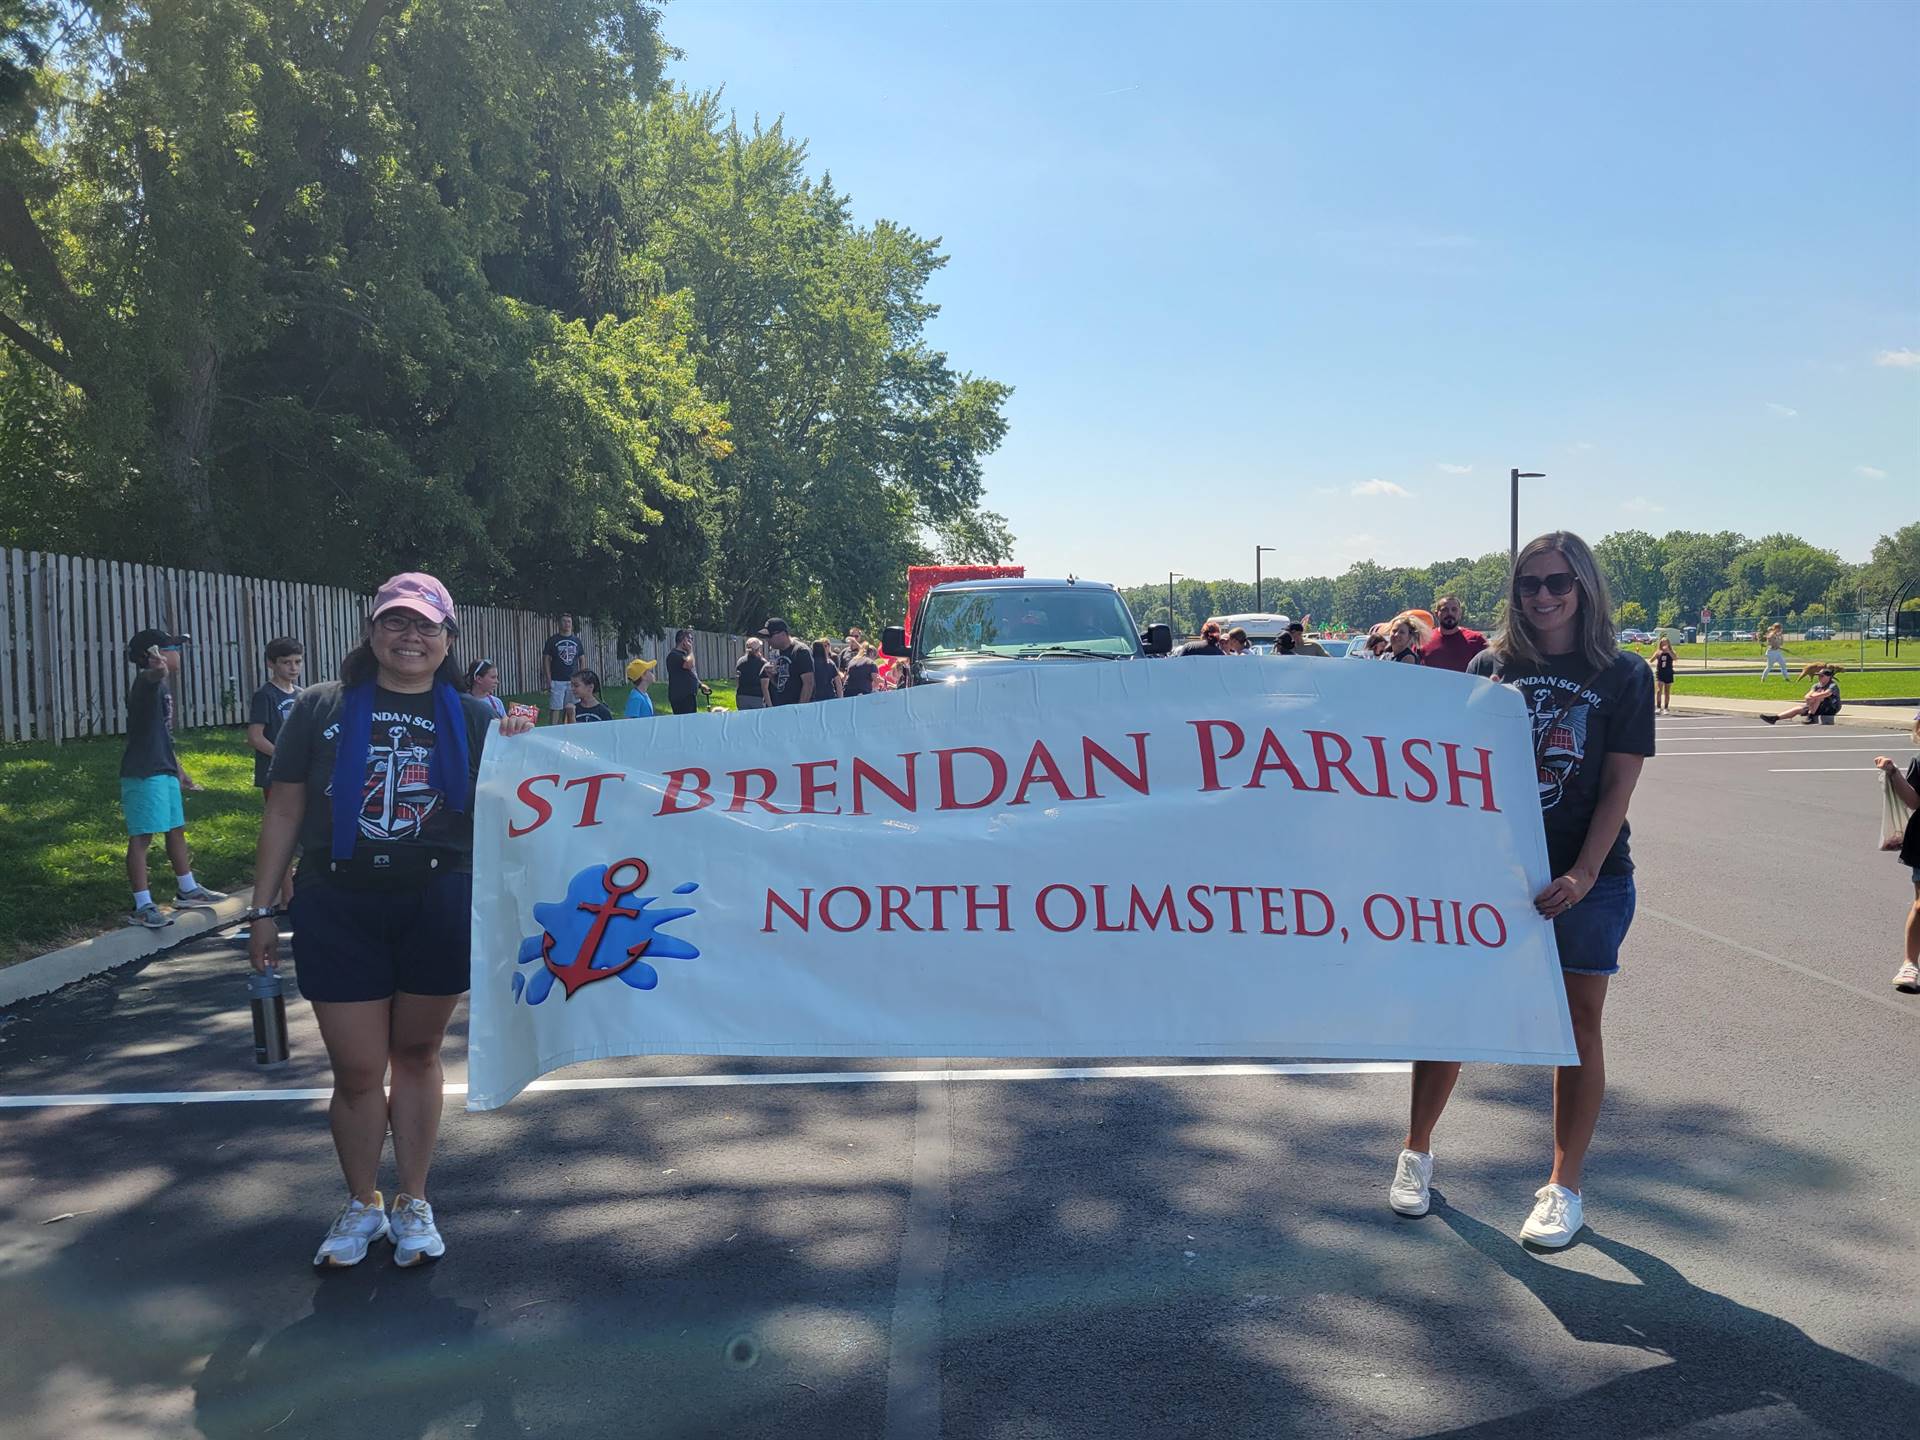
1822,700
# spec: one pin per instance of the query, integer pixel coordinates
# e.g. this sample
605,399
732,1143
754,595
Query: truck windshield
1020,622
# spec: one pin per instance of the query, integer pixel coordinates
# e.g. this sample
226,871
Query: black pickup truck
970,629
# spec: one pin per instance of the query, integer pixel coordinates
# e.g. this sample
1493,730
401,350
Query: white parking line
695,1082
1782,750
1822,770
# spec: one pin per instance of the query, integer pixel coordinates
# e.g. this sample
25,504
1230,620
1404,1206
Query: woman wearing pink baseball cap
373,778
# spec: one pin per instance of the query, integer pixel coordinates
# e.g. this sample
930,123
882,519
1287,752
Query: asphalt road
1132,1257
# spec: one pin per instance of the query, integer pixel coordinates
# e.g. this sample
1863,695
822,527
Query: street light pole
1172,575
1259,600
1513,513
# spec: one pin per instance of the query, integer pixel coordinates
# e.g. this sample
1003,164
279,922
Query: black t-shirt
1200,647
747,674
563,651
790,666
1611,713
1663,666
1412,656
595,711
860,675
397,804
270,708
681,684
1910,844
149,727
825,672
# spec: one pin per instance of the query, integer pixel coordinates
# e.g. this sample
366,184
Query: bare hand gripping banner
1295,858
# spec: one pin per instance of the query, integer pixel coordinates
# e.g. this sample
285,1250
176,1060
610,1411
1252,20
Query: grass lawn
1854,685
1798,652
63,848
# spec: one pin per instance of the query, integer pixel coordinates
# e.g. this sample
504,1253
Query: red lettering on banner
590,811
1153,915
798,917
1500,926
1272,755
826,906
1330,765
769,782
949,799
1135,780
1273,906
679,782
893,906
939,893
1042,768
1433,785
975,905
811,790
1079,909
1196,897
1484,775
1399,919
1300,926
1436,920
1103,922
542,811
1234,894
1210,758
903,796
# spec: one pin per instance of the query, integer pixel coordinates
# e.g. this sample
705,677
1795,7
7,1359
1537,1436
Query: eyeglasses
1558,583
396,623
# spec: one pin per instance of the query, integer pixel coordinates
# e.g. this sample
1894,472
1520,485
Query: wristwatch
261,912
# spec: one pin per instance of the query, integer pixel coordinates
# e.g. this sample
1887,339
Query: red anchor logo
580,971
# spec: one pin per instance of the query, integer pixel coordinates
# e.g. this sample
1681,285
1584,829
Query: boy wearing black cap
151,778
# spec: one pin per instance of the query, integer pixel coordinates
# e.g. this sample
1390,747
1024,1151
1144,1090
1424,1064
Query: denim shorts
152,804
1591,933
367,944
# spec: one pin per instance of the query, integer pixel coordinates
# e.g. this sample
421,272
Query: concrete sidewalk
1893,719
49,972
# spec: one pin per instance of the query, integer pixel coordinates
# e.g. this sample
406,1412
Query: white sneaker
1907,977
151,916
354,1228
1411,1191
1555,1220
415,1236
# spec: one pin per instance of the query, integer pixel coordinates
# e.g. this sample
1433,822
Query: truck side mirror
1159,639
893,641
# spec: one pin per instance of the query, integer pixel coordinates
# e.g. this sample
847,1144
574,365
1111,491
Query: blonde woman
1662,661
1775,655
1592,710
1406,633
1907,787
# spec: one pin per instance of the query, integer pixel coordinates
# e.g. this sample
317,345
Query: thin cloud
1786,412
1383,487
1871,472
1640,505
1902,359
1446,469
1580,446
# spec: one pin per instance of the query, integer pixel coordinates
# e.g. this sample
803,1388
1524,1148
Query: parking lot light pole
1172,575
1513,513
1259,600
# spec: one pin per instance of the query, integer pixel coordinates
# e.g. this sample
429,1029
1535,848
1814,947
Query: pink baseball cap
413,590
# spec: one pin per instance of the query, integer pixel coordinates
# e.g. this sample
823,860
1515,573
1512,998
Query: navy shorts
1591,933
367,944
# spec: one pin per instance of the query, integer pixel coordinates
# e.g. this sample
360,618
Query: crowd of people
369,780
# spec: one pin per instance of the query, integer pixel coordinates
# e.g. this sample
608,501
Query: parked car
1819,632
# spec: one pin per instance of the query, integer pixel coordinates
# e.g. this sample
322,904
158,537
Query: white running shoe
354,1228
151,916
415,1236
1411,1191
1555,1220
1907,977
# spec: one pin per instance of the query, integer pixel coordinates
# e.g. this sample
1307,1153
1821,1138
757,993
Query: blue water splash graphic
566,925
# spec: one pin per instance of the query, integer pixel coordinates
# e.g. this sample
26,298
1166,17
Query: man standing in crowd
1302,645
855,642
1207,644
1451,646
151,778
684,685
791,668
557,663
286,658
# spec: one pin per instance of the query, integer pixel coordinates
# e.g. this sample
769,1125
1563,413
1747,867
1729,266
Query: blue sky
1315,276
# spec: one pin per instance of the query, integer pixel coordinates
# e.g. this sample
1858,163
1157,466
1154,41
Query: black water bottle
269,1003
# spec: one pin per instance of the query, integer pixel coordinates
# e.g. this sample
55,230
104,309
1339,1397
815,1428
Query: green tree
1696,568
1633,562
1631,613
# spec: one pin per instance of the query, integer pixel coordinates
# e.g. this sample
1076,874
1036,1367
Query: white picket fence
65,621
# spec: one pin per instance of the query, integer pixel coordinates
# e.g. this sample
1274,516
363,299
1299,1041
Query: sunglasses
1558,583
395,623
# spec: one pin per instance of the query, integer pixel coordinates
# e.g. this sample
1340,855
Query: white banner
1252,857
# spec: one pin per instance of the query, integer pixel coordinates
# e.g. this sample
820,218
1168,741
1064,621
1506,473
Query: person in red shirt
1451,646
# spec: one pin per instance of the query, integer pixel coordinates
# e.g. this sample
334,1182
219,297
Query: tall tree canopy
330,288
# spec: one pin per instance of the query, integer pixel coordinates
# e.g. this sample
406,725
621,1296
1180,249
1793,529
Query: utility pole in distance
1513,514
1259,600
1172,575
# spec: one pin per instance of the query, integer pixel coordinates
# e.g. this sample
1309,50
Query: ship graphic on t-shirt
1560,742
398,798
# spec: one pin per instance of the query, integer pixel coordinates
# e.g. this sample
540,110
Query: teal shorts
152,805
